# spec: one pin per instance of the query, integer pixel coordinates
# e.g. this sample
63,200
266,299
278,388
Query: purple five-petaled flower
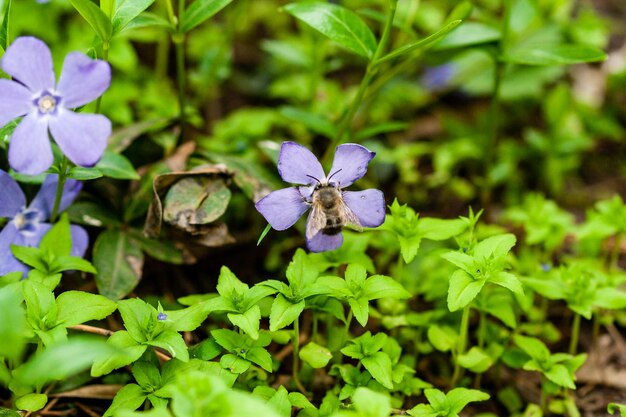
45,106
27,225
332,207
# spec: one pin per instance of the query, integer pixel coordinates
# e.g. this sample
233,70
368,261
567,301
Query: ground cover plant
312,208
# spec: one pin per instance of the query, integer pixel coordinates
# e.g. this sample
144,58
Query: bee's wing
317,220
349,216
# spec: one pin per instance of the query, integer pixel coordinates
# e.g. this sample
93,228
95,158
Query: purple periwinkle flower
331,207
436,78
161,316
27,224
46,107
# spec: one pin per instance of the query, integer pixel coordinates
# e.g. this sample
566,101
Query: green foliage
447,405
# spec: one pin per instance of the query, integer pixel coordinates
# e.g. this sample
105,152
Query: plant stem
105,57
349,321
60,186
179,43
296,355
573,344
314,331
615,252
370,72
461,345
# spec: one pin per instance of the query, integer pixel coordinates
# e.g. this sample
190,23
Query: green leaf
248,322
476,360
126,11
58,240
443,338
379,366
440,229
13,323
199,11
315,122
119,262
494,246
507,280
462,260
469,33
284,312
409,247
71,263
261,357
32,402
172,342
188,319
556,54
148,20
130,397
301,271
40,304
76,307
315,355
147,375
234,363
560,375
613,407
30,256
129,351
371,403
4,28
230,287
380,286
64,359
84,174
115,165
337,23
421,44
360,308
458,398
533,347
610,298
463,289
5,412
96,18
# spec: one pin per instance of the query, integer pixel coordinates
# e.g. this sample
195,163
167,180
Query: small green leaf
129,351
443,338
463,289
337,23
96,18
248,322
58,240
115,165
380,286
284,312
421,44
556,54
84,174
4,28
458,398
371,403
361,309
32,402
172,342
263,234
33,257
507,280
130,397
76,307
613,407
126,11
71,263
13,323
261,357
560,375
119,262
199,11
476,360
533,347
379,366
470,33
494,246
315,355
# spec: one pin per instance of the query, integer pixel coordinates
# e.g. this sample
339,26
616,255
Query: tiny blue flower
436,78
46,106
161,316
332,208
27,224
545,267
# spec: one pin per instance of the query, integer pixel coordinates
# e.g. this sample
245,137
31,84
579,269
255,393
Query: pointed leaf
96,18
495,246
284,312
556,54
126,11
248,322
379,366
76,307
508,281
337,23
463,289
199,11
380,286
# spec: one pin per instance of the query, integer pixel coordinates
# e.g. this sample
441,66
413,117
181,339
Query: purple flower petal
297,165
350,164
321,242
34,238
44,200
28,60
368,205
8,263
12,199
80,241
82,79
15,101
81,137
29,149
282,208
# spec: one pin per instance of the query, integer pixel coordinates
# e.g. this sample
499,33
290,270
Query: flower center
47,103
27,221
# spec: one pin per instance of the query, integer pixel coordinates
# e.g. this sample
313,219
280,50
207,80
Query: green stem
370,72
615,252
105,57
296,355
573,344
314,331
60,186
179,43
482,328
461,345
349,321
